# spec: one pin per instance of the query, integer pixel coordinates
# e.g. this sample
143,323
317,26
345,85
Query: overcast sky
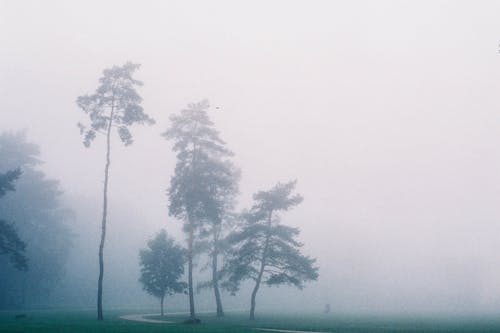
387,113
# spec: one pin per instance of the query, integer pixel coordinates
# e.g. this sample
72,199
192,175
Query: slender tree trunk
256,287
161,304
215,278
192,314
262,267
104,217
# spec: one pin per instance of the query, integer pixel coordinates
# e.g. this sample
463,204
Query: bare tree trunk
215,279
255,289
161,304
104,217
190,273
262,267
192,314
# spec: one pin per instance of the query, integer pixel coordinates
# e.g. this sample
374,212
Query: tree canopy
115,103
202,174
266,251
41,222
7,181
10,243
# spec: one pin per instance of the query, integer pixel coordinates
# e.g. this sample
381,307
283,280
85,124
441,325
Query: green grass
84,322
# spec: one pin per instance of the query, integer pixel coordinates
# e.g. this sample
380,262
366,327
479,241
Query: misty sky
387,113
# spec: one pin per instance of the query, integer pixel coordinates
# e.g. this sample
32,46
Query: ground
53,321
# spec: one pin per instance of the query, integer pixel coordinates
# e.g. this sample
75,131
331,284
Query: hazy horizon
386,112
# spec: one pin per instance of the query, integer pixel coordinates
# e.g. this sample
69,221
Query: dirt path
285,331
140,317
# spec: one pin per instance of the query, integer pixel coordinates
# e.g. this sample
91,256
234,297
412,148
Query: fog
386,112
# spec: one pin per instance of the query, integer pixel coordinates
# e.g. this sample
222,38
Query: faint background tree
10,242
42,222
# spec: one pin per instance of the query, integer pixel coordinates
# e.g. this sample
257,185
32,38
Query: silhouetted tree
203,184
265,250
10,243
162,265
115,104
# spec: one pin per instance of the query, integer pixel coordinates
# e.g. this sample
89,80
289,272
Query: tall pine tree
114,105
203,187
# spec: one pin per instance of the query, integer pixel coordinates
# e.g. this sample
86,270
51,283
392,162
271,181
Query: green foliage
12,245
204,179
265,249
162,265
7,181
204,184
41,222
115,103
16,151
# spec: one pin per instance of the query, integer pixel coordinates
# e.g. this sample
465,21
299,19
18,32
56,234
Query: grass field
84,322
